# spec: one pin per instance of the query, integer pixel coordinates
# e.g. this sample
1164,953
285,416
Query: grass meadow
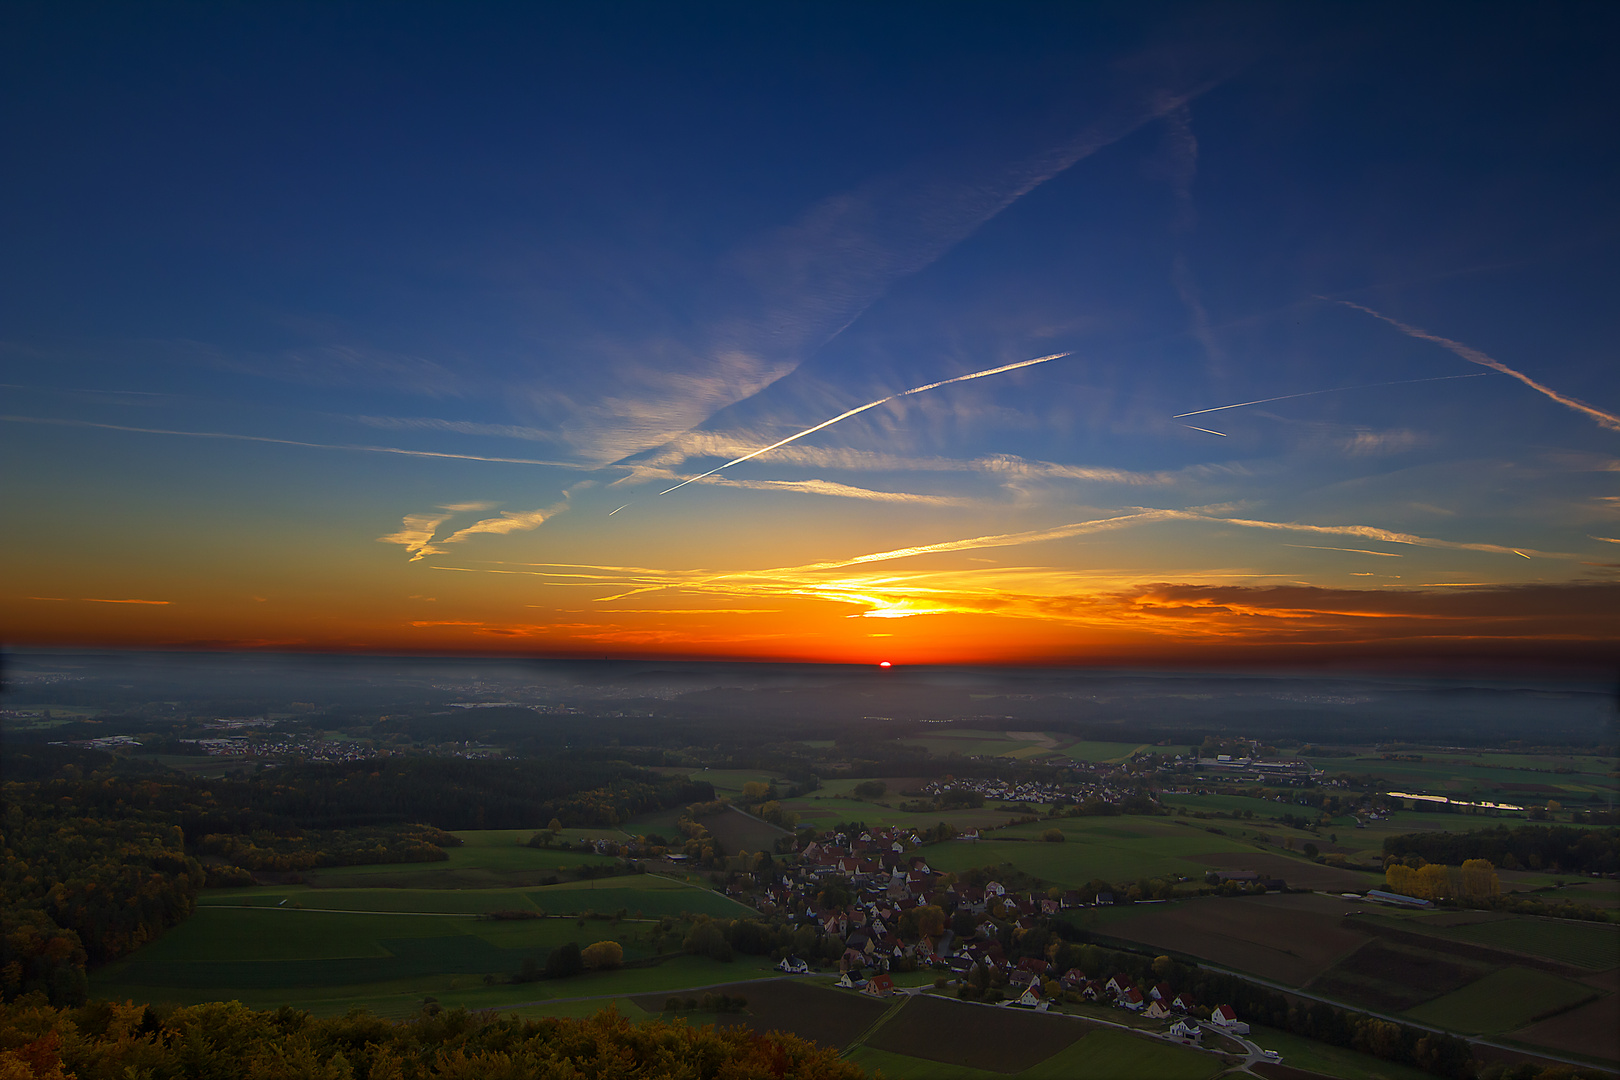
1503,1001
1115,849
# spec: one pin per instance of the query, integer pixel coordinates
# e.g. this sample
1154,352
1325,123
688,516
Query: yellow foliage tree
602,954
1479,880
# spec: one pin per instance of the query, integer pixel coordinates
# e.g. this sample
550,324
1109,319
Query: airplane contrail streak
862,408
1334,390
616,510
1195,427
1474,356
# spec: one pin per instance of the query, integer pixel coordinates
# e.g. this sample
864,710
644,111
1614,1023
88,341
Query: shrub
601,955
564,961
1053,836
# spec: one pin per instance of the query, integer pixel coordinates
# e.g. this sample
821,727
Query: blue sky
284,281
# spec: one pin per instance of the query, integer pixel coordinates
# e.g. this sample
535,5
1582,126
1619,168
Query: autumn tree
602,954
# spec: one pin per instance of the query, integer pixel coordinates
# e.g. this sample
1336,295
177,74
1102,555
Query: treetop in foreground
109,1040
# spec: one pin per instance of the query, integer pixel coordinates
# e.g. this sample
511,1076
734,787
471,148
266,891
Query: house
1160,992
1032,998
1117,985
1187,1030
1034,965
1073,979
1182,1003
1019,977
1156,1010
1105,899
995,888
794,966
879,986
1225,1017
850,981
1131,999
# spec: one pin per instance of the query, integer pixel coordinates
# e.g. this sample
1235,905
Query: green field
1114,1055
1339,1061
332,961
1503,1001
1111,848
1587,945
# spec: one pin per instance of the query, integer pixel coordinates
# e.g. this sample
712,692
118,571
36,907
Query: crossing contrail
863,408
1334,390
1474,356
1206,430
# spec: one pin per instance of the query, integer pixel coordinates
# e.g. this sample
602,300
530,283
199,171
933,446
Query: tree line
109,1041
1558,849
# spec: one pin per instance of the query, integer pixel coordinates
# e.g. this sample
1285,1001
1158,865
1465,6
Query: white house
794,966
1187,1030
1225,1017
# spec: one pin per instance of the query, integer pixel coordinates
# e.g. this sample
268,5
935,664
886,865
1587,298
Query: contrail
1222,434
1312,393
284,442
1474,356
863,408
616,510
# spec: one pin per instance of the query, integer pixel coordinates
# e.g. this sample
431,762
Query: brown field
1299,873
1593,1030
736,831
1291,939
822,1015
1001,1040
1393,978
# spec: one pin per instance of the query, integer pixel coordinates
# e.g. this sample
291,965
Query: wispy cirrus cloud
840,491
417,531
778,298
459,427
97,600
231,436
1603,418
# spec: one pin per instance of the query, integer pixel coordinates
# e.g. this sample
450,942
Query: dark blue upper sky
636,240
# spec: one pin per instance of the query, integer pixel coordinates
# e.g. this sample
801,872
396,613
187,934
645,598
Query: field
1001,1040
929,1038
737,831
1588,945
1502,1001
1299,873
1115,849
806,1009
1289,938
384,938
331,961
1593,1030
1311,1056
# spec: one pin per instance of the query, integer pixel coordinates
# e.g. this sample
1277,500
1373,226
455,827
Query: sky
460,328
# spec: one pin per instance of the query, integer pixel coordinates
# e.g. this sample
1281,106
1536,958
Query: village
879,911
